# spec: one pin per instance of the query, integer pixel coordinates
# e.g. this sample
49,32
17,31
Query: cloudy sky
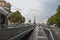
40,9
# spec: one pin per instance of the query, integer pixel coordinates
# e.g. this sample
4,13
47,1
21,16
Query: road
42,33
26,33
38,34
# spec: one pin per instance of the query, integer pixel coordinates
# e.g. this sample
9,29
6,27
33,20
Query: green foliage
55,19
17,17
22,19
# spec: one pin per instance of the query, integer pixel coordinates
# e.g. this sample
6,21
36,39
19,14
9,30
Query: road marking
36,32
40,37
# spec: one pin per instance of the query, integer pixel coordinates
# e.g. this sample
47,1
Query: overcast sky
41,9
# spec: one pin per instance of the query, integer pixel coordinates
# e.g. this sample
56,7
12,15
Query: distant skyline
45,8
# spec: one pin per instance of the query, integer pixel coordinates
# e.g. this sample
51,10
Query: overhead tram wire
14,6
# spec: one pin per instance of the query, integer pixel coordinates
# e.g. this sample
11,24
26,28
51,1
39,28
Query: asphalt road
9,33
39,33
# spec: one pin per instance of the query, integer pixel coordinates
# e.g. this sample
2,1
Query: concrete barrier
21,35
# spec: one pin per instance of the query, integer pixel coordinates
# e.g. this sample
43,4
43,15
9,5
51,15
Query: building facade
4,13
5,5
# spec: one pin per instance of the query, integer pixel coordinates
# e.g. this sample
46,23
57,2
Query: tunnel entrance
3,20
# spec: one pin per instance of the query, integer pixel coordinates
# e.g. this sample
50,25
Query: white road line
36,33
43,33
40,37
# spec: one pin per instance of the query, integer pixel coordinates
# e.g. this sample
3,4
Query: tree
22,20
17,17
55,19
